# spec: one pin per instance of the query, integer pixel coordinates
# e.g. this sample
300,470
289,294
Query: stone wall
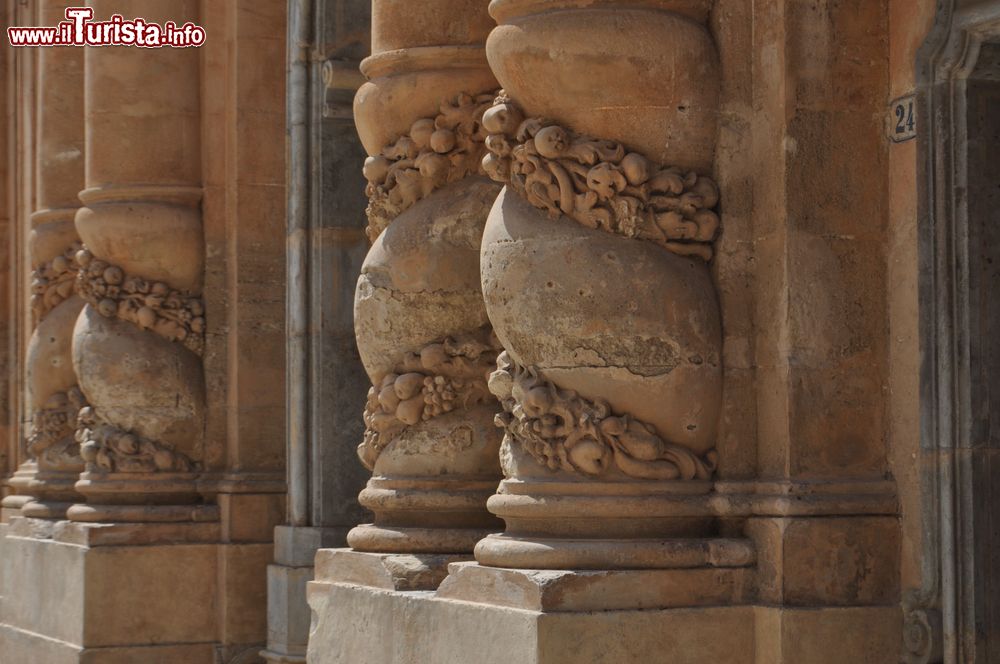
155,544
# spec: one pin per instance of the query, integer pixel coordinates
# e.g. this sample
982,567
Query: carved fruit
411,410
60,264
433,166
114,275
107,308
375,169
442,141
433,357
421,131
502,119
551,142
636,168
388,399
146,317
408,385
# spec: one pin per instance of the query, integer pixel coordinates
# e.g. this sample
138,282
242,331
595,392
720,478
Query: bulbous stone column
53,398
421,325
137,343
595,276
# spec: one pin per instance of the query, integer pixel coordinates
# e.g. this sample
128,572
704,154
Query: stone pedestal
110,593
714,609
483,615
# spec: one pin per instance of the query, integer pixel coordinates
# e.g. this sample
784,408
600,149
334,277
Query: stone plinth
109,594
482,615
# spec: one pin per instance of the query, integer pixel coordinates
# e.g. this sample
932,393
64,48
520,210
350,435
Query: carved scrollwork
440,378
599,183
50,437
565,431
53,282
152,305
436,152
106,448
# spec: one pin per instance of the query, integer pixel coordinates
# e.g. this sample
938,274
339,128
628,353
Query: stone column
421,326
137,344
596,279
52,394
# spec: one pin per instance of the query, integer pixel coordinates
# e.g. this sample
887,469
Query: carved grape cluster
152,305
437,151
440,378
599,183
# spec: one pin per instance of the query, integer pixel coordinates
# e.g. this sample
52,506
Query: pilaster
326,246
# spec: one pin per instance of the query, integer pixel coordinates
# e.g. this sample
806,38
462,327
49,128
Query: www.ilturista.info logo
79,30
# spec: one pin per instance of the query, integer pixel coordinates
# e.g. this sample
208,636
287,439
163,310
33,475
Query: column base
116,496
391,539
613,554
45,509
11,506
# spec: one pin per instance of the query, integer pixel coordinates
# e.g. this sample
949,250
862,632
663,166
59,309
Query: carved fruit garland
51,436
152,305
564,431
436,152
599,183
106,448
440,378
52,282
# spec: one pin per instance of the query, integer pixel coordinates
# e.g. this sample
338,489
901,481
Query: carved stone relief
564,431
435,152
53,282
599,183
150,304
106,448
442,377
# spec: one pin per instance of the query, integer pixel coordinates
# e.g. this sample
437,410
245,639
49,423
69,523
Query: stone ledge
605,590
114,534
389,571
